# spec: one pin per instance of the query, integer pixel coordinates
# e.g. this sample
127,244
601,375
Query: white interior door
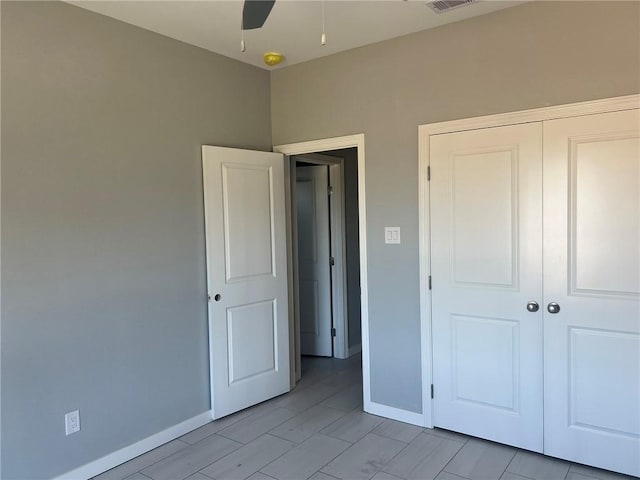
486,254
247,277
592,271
314,269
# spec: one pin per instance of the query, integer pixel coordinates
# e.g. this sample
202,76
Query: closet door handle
533,307
553,307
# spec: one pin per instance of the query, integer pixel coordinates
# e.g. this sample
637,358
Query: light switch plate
391,234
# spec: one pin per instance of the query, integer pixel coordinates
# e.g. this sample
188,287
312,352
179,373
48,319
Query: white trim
132,451
323,145
337,143
424,254
354,350
396,414
594,107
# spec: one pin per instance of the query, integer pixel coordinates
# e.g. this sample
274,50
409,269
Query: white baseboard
143,446
395,413
354,350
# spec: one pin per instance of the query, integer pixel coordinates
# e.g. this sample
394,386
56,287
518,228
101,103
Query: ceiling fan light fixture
273,58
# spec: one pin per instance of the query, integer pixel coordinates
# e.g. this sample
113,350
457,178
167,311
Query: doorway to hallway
326,254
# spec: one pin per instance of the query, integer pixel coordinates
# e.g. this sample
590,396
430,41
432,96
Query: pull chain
242,45
323,38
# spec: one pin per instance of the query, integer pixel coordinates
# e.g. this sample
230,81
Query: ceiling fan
255,13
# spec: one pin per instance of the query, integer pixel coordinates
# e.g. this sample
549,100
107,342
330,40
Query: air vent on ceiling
441,6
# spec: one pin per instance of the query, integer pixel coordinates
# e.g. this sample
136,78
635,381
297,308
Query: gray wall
103,267
103,294
533,55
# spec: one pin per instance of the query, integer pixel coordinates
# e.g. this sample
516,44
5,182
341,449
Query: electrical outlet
72,422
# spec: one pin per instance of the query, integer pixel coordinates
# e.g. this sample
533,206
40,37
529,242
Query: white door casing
486,241
314,270
247,268
358,141
592,271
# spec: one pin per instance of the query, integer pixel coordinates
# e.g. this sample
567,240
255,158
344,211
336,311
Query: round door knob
533,306
553,307
217,297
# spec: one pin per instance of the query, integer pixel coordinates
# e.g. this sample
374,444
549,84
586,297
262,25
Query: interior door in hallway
592,274
486,254
314,269
247,277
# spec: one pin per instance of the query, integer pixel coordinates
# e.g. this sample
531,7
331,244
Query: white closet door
486,221
592,271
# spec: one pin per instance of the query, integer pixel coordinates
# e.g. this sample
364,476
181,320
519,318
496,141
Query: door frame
340,342
626,102
319,146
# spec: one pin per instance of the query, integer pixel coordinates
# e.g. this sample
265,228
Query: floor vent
441,6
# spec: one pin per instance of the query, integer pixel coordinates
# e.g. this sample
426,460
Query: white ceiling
293,28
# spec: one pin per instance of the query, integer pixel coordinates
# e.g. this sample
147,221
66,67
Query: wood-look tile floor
319,432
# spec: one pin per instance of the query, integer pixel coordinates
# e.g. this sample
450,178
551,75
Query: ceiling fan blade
255,13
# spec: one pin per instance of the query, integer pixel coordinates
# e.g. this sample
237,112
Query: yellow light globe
273,58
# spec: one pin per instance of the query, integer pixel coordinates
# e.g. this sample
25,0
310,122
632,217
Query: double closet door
535,260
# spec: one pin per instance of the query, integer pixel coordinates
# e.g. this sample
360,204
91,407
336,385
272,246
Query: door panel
592,270
248,239
252,344
484,216
490,362
593,355
314,271
486,219
604,172
246,267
